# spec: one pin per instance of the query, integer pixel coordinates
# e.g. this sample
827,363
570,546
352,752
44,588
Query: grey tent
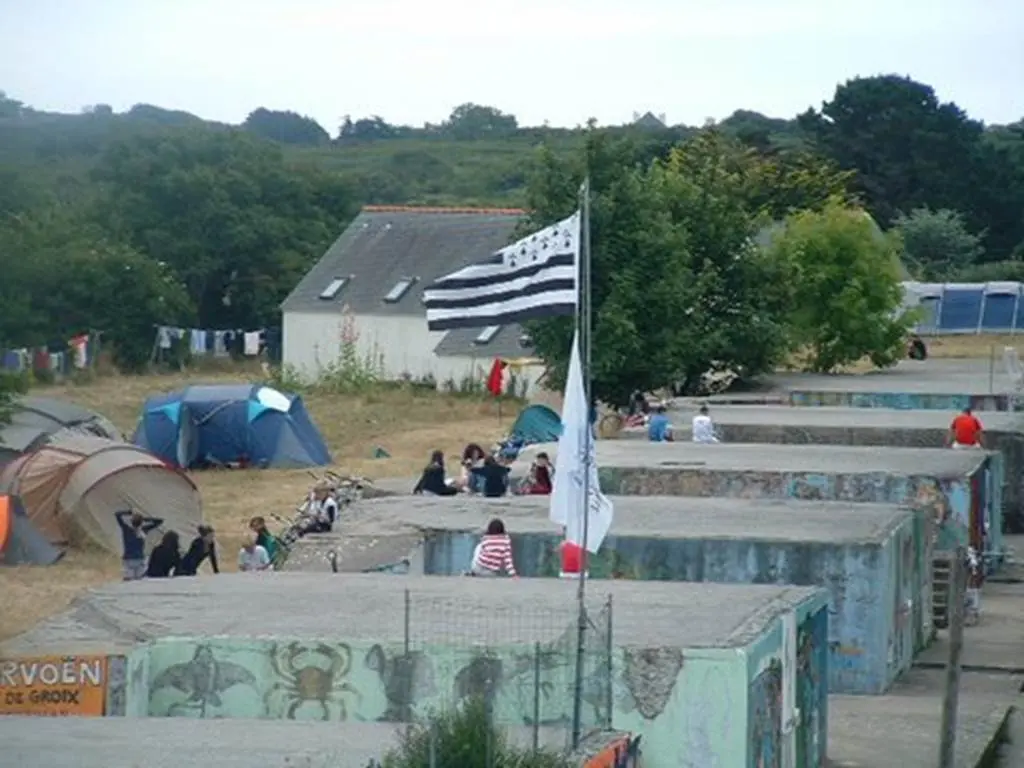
35,420
20,542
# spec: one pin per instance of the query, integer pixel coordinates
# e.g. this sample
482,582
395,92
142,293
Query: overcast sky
560,61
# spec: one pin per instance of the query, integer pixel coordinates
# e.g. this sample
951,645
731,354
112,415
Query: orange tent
77,482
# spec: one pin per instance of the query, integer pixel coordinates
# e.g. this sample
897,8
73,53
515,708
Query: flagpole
583,326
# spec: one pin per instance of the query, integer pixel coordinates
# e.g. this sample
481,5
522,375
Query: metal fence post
951,697
609,650
536,695
408,621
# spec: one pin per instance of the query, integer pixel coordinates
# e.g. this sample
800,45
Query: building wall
872,587
905,401
401,345
960,516
1009,444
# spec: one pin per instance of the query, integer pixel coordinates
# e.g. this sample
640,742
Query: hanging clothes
197,341
220,348
79,348
163,335
251,345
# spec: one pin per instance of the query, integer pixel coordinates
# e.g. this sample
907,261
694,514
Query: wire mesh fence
513,666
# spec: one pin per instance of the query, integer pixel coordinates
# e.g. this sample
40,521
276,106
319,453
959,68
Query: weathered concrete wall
1009,443
966,510
917,401
874,587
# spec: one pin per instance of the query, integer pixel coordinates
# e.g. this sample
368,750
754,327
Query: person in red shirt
965,431
572,558
493,555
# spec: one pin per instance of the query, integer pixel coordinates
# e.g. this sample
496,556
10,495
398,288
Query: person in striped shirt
493,555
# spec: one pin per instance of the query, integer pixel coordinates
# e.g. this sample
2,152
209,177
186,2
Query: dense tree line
117,222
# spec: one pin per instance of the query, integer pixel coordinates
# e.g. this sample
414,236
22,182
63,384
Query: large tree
844,285
226,214
910,150
286,127
678,286
937,244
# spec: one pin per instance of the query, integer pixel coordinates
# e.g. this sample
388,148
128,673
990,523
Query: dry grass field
408,424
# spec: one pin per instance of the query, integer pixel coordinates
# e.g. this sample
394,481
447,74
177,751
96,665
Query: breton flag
567,508
532,278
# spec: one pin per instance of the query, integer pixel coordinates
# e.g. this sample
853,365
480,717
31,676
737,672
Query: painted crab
314,675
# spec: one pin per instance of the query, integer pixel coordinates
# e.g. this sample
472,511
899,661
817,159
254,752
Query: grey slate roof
385,244
462,343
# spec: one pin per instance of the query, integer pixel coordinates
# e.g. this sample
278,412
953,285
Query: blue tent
537,424
223,424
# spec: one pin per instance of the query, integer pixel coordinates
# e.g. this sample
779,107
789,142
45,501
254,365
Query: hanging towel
252,343
163,334
220,348
198,343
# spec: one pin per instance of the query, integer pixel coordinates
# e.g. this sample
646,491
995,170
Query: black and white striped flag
530,279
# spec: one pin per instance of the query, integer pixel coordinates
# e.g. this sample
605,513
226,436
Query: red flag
495,379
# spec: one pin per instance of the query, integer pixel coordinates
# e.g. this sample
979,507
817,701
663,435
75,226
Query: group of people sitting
659,427
483,473
166,560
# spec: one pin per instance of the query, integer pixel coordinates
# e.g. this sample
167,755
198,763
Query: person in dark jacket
134,527
165,557
203,546
433,479
494,477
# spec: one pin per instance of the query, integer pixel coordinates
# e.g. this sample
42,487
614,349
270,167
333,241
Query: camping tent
20,542
217,424
76,483
35,419
537,424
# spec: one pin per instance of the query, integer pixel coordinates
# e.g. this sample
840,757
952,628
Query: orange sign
54,685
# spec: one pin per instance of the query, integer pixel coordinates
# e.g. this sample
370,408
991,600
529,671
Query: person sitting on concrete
703,428
539,481
659,428
321,511
916,349
165,557
433,482
134,527
264,537
252,557
966,431
473,456
493,555
493,477
203,546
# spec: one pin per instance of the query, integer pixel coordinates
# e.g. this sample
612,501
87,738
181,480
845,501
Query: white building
368,288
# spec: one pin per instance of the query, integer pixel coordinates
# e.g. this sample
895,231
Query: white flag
567,503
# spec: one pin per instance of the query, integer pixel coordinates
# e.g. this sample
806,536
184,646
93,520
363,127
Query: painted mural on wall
649,676
338,682
765,717
812,654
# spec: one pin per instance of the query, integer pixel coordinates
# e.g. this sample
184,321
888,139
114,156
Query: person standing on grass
134,527
253,557
165,557
203,546
493,555
966,431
